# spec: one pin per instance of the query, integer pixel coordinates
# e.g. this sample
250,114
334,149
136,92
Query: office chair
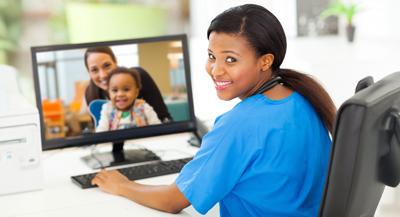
95,109
365,153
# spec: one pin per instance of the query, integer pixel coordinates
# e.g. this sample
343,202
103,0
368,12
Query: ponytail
313,92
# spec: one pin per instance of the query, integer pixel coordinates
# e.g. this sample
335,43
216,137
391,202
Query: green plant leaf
339,8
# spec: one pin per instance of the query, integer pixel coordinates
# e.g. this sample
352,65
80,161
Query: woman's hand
110,181
154,196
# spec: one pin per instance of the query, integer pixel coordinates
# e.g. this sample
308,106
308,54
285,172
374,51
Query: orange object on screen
53,114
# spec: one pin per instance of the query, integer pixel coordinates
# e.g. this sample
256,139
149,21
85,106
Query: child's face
233,66
123,91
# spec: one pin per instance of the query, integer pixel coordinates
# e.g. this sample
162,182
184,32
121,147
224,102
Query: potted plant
10,27
344,9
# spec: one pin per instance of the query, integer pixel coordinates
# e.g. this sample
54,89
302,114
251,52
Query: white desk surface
60,197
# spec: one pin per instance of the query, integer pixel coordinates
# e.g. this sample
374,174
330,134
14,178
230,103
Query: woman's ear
266,61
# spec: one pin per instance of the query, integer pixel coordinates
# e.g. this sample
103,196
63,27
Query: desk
60,197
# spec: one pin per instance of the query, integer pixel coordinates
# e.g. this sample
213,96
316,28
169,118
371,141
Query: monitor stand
119,156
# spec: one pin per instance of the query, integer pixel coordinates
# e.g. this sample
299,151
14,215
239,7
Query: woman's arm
167,198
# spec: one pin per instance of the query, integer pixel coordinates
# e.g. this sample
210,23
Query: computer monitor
62,82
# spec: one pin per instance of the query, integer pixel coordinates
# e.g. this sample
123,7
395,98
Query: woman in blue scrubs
269,155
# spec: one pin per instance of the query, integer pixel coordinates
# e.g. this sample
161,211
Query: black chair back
365,151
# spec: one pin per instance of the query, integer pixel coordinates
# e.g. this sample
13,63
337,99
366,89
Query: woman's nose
216,69
103,74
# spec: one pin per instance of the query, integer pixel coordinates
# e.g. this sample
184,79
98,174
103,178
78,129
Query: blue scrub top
263,158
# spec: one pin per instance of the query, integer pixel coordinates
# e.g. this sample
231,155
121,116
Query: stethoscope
269,84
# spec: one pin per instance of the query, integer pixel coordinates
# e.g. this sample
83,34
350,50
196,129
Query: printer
20,140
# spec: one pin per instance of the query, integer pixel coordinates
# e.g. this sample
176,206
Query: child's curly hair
123,70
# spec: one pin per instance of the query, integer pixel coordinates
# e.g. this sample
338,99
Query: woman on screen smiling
100,61
268,156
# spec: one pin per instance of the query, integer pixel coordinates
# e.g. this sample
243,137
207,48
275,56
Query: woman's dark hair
265,35
122,70
93,91
105,50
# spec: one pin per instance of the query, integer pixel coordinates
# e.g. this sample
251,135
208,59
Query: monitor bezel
119,135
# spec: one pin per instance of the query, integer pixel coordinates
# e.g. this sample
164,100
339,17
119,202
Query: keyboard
142,171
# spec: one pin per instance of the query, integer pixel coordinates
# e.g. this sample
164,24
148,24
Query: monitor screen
81,104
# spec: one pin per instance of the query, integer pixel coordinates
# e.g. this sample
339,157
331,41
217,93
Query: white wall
378,19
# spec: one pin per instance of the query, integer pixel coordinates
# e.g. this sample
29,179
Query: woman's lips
220,85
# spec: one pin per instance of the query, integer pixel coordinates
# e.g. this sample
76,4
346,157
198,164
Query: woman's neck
278,92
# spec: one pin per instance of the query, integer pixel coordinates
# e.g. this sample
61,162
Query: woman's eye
93,70
230,60
211,57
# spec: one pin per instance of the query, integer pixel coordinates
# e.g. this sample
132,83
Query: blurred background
338,42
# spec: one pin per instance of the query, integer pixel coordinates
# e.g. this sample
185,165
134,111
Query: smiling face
122,91
234,67
99,67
